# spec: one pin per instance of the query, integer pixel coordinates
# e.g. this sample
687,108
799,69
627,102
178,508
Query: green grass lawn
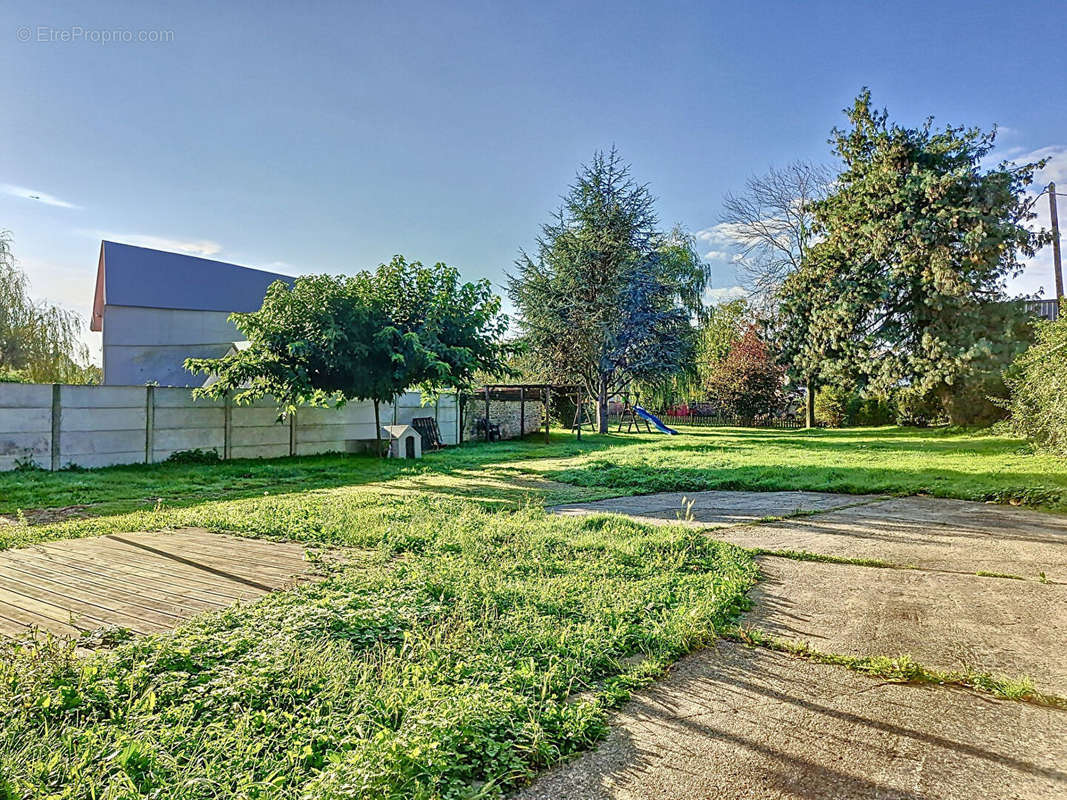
972,466
469,639
462,651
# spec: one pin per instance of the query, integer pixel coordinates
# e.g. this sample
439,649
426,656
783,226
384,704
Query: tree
609,298
328,340
721,327
39,343
771,223
748,381
915,243
1038,389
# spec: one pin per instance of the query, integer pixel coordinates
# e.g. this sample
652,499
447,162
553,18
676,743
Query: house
1046,309
156,309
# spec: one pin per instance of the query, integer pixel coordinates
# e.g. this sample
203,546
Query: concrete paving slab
951,535
733,722
944,621
715,508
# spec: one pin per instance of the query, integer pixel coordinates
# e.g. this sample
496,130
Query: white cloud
717,255
1054,170
33,194
725,294
193,247
723,234
1037,277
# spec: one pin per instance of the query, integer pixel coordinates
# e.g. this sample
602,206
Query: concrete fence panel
25,425
55,426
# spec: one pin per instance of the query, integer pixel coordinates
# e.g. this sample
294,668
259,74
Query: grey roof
139,276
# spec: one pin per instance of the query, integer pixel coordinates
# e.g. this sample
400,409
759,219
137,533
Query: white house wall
149,345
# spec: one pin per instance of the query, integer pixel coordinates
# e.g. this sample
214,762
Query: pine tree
608,298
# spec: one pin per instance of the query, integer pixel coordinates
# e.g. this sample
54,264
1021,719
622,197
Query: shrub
748,382
832,406
974,400
837,407
194,456
1037,382
919,409
875,410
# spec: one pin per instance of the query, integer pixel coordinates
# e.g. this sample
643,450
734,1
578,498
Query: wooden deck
146,582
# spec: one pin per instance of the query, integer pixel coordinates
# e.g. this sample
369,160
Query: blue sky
325,137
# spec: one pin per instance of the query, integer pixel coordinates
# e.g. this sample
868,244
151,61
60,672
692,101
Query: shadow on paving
737,723
944,621
734,722
947,535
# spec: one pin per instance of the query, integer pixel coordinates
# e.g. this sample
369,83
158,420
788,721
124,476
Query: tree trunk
377,432
602,405
809,404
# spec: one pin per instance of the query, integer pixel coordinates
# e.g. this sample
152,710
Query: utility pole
1057,265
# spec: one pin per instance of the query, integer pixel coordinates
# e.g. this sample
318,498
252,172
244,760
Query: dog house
404,441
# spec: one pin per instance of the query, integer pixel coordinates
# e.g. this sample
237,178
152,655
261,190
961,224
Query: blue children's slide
654,420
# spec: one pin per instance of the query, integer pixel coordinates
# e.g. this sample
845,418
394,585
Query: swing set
633,415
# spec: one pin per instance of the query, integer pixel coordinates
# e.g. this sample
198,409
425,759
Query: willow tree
608,298
39,342
905,285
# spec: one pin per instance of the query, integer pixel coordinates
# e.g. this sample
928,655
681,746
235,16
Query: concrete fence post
227,427
57,412
292,433
149,422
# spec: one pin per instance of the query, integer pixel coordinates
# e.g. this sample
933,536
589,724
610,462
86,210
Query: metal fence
715,421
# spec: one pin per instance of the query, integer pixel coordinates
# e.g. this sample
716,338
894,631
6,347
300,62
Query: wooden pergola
512,392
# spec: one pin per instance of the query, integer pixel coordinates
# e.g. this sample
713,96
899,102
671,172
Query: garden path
747,722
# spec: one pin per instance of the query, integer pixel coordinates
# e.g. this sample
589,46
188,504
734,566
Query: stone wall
504,413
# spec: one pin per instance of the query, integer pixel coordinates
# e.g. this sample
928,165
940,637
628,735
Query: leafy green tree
905,285
39,343
1037,383
326,340
723,325
608,299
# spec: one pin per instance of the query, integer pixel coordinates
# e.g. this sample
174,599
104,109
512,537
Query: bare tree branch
769,225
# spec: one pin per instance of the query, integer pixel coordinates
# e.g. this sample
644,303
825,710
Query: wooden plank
75,573
85,604
43,612
176,576
270,546
25,620
253,580
229,551
146,582
130,594
11,629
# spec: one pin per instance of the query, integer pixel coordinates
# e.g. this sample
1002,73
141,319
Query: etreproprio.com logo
76,33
